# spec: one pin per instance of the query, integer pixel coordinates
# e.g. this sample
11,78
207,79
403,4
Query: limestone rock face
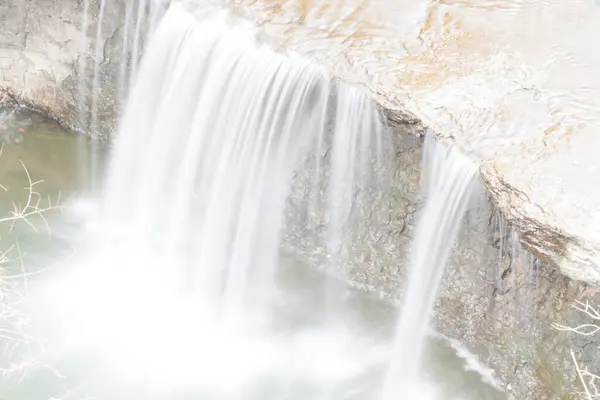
522,101
501,108
516,104
47,62
496,298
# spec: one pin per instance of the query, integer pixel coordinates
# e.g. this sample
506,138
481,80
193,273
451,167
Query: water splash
214,130
190,222
210,80
448,179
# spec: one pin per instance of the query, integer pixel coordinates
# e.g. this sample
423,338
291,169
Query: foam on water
238,119
176,282
186,237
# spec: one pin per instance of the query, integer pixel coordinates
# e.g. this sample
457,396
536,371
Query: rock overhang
511,83
498,79
466,90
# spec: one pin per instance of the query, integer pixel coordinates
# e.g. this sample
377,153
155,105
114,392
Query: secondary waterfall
447,182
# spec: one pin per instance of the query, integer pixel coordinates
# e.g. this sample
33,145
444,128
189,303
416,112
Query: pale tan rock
512,83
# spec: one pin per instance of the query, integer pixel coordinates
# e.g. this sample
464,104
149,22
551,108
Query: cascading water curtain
447,182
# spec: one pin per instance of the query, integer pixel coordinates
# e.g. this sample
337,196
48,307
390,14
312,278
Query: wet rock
48,63
497,299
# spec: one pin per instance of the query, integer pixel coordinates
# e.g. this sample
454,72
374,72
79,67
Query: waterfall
206,150
83,117
447,182
187,240
188,232
208,145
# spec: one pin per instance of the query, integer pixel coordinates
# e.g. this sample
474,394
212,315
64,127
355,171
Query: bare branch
584,329
32,206
14,324
589,380
587,309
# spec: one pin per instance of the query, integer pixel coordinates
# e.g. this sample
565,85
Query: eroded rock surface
449,66
499,80
496,298
496,78
49,63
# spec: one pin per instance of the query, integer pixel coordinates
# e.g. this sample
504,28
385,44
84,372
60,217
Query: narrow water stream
295,351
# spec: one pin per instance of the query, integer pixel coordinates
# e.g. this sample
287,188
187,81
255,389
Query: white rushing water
188,230
179,288
447,182
211,193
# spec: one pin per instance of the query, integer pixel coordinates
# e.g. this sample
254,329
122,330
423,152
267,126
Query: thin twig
14,332
588,380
